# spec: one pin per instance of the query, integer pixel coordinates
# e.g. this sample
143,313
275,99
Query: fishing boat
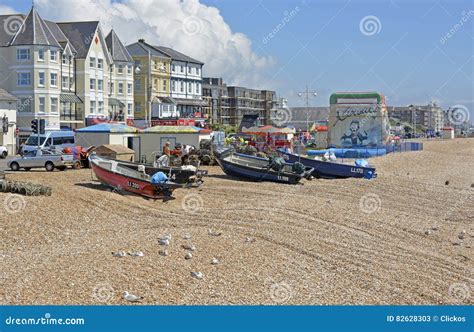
256,168
115,174
329,169
189,175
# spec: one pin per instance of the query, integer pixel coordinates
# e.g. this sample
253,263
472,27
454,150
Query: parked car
3,152
52,139
42,158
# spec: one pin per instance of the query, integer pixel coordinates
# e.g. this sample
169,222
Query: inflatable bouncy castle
358,120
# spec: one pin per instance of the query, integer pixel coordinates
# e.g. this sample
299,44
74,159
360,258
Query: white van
57,139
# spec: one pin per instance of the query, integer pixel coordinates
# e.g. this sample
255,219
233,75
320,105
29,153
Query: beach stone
188,256
214,261
197,275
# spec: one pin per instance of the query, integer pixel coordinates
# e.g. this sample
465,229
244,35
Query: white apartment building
186,82
36,58
121,105
63,72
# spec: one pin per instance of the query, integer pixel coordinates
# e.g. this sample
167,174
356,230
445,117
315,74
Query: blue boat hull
257,174
330,170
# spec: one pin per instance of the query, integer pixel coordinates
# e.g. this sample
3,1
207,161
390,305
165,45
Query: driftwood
24,188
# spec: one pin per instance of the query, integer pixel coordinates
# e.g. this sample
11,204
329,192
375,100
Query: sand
392,240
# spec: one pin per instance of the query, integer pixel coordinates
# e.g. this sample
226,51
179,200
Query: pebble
197,275
188,256
214,261
187,237
428,232
164,241
119,254
189,247
137,254
163,252
249,239
212,233
462,235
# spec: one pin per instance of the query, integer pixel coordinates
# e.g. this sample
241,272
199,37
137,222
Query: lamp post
306,95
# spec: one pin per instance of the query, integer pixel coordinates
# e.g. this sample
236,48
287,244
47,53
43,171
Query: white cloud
187,26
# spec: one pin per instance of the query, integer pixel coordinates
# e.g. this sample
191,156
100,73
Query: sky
413,52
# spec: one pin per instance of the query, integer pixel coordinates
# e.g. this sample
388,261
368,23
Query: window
41,78
92,62
100,63
23,79
101,107
138,85
174,85
129,69
173,68
156,65
23,54
24,105
40,54
41,104
165,85
71,83
64,59
189,70
181,88
181,69
92,106
111,88
120,69
120,88
138,107
129,88
54,79
198,71
54,56
129,109
100,85
92,84
64,82
155,83
54,105
190,87
197,88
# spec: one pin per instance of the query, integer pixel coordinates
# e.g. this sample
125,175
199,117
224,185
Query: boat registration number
133,185
357,170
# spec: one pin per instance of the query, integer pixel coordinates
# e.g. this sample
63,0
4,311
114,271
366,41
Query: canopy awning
191,102
115,102
164,100
69,98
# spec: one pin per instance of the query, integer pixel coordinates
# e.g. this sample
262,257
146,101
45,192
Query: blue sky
322,44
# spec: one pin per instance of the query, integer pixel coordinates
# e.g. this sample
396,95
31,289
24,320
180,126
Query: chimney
141,40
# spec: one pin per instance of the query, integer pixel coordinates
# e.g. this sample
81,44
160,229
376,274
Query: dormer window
40,54
120,69
92,62
64,59
100,63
